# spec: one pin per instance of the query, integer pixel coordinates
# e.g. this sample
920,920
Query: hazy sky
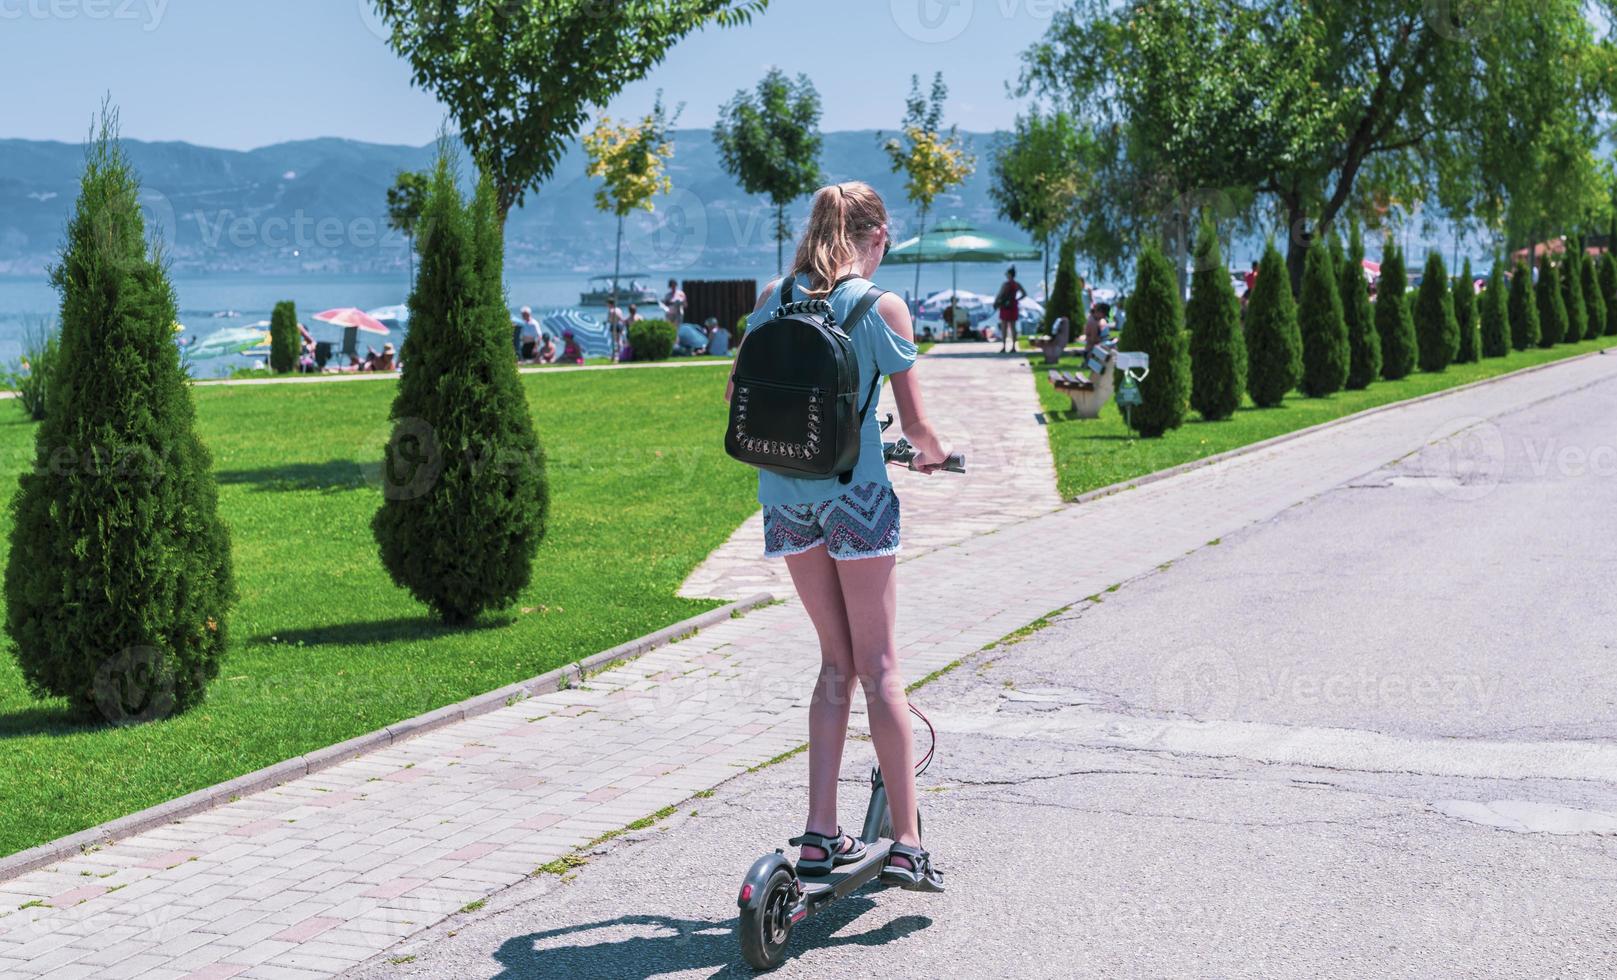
245,73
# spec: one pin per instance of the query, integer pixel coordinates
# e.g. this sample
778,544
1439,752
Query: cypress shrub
1434,317
1320,324
284,338
1066,293
652,340
1364,343
119,577
1594,299
465,498
1465,316
1156,326
1524,325
1393,322
1217,345
1495,320
1577,311
1608,286
1552,316
1273,345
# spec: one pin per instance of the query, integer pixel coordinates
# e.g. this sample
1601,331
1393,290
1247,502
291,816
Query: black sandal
834,853
920,876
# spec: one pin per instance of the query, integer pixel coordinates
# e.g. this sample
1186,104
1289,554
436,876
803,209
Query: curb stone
287,770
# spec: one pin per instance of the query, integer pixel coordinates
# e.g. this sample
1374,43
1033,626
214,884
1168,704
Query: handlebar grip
956,463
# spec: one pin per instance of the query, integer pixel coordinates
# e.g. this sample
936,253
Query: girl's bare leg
815,576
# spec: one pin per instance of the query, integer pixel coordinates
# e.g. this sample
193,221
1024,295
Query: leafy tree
1217,344
118,581
1465,315
631,161
1364,343
285,341
1434,317
1577,312
1322,327
1552,318
1066,296
1495,318
1593,297
1524,325
1393,322
932,159
404,201
1156,326
1274,345
465,498
519,78
770,141
1472,100
1608,286
1043,172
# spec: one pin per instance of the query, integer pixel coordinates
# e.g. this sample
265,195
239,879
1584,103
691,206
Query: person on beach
571,353
673,303
614,328
633,317
547,350
690,339
1008,303
840,541
528,337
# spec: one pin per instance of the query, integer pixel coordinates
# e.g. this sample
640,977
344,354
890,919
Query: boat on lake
631,287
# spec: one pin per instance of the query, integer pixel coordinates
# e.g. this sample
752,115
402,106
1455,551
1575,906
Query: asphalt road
1371,737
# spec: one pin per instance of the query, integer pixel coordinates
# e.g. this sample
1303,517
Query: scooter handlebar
904,453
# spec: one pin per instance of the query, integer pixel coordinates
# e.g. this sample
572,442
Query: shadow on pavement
337,474
685,944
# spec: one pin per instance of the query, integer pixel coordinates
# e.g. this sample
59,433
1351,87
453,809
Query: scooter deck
846,879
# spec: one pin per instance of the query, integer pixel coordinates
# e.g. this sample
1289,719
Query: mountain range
320,206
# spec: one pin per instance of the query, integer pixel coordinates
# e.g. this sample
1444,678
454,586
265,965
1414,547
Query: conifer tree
1494,317
119,581
1465,315
1552,316
1156,327
1321,326
1594,299
1608,286
1273,344
1393,320
1524,326
1217,344
465,498
284,337
1434,317
1364,343
1577,311
1066,294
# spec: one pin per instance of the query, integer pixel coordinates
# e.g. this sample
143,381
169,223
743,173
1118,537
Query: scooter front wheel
766,923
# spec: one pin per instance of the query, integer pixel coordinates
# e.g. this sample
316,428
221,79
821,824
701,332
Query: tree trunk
1181,246
617,262
1296,244
780,240
922,254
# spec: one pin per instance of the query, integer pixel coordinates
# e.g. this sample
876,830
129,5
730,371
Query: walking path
325,872
984,406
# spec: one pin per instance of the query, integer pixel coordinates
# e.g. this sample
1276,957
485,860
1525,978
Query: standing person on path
1008,303
615,328
840,541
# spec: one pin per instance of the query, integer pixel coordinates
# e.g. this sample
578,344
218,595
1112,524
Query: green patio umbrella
954,241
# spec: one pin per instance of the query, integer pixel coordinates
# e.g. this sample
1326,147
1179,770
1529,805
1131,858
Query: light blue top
879,351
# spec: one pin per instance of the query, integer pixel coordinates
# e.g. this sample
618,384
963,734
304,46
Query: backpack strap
784,295
860,310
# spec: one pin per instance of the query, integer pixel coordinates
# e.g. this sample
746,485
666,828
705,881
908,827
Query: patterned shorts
861,523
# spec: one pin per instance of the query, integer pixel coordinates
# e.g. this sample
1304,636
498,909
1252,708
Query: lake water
250,298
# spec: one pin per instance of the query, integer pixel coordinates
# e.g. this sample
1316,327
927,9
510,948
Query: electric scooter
774,898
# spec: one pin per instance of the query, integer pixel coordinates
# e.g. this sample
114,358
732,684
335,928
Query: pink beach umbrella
349,316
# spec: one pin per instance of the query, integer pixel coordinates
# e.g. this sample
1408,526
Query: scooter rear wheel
766,925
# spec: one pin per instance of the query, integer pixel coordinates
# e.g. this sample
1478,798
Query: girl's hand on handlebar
930,453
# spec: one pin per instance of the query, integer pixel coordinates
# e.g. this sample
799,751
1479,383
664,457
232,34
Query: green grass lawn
324,647
1095,453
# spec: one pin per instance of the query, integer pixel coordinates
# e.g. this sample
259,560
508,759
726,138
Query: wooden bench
1088,393
1054,344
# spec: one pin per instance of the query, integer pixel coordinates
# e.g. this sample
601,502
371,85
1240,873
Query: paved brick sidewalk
983,404
325,872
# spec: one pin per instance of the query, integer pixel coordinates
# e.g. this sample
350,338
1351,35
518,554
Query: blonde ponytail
842,219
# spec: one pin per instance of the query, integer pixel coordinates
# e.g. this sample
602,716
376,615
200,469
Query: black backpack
796,377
